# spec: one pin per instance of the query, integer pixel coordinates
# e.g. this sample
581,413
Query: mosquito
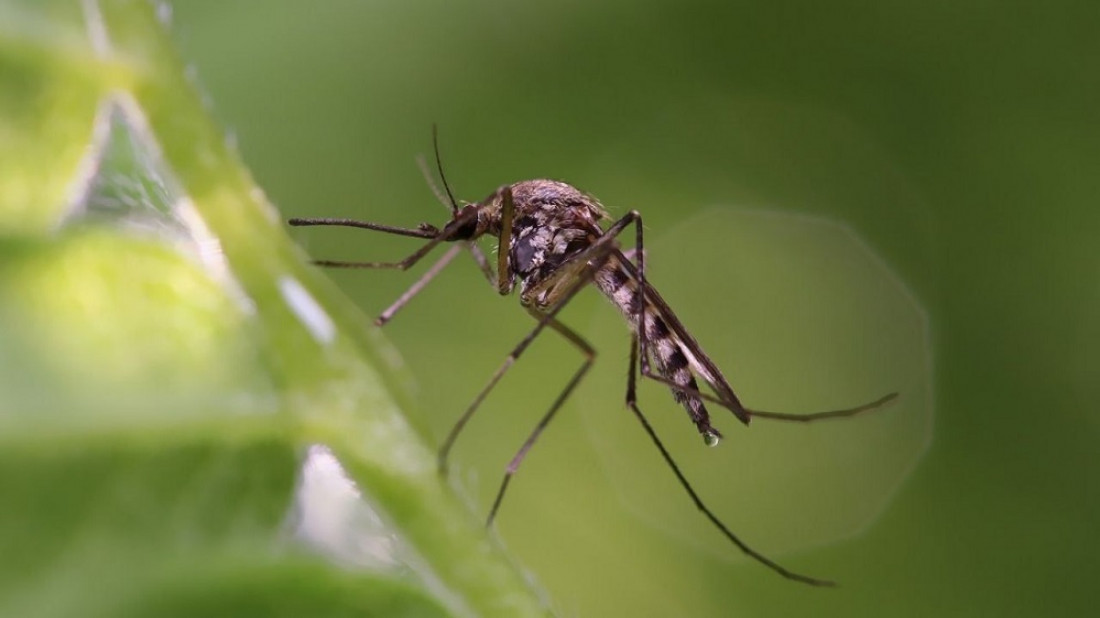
551,242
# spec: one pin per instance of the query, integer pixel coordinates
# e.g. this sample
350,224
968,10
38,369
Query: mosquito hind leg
870,406
631,402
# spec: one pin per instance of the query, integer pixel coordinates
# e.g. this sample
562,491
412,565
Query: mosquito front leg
479,257
589,357
632,403
415,288
422,282
435,237
423,231
482,263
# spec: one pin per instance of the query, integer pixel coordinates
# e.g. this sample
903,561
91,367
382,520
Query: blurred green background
959,141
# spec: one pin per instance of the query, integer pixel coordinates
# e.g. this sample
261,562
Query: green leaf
192,420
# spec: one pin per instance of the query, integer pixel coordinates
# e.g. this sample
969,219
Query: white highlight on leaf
135,119
97,29
337,517
88,167
260,198
308,310
121,107
209,250
333,517
164,13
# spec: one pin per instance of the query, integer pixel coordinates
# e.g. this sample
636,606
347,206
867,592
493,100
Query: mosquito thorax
551,222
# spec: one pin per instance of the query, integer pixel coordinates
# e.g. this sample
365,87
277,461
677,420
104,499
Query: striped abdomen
671,358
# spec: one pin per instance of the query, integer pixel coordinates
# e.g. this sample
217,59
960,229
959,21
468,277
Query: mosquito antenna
439,166
422,163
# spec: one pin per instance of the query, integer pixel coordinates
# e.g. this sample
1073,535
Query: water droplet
711,437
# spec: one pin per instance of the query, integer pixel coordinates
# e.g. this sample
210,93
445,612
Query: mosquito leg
426,231
631,401
504,250
415,288
629,254
430,274
881,402
639,254
482,263
544,319
589,357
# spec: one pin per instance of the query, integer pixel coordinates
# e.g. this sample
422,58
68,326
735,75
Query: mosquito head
466,224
